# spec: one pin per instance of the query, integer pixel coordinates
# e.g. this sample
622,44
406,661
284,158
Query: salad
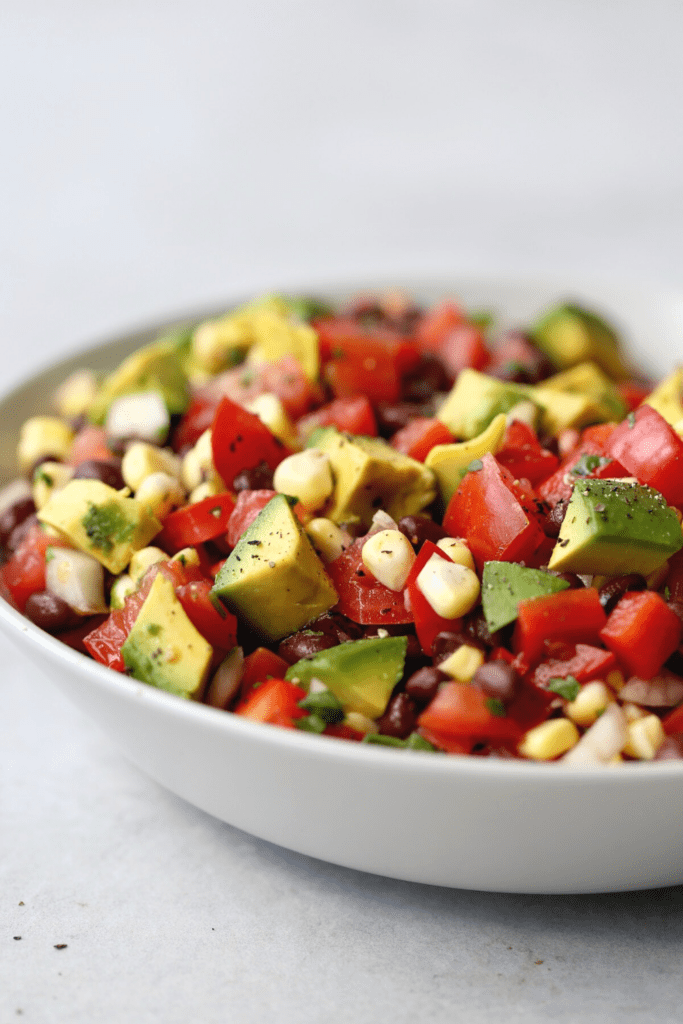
382,523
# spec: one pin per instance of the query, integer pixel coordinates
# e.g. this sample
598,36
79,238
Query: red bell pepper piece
353,415
372,361
523,454
419,436
460,711
498,519
643,632
197,418
428,624
239,440
585,663
572,615
195,524
259,666
589,459
274,702
362,598
652,451
220,629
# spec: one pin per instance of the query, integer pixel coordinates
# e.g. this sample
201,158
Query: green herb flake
496,707
568,688
311,723
631,420
154,629
588,464
106,525
474,466
383,741
325,705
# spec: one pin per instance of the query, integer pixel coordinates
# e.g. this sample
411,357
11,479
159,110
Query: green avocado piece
589,380
570,334
163,647
450,461
476,399
666,397
360,673
615,527
156,367
369,474
505,584
273,578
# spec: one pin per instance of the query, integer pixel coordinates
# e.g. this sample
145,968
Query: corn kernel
74,396
197,465
207,489
142,559
452,590
270,410
463,663
615,680
361,723
160,493
307,476
645,737
549,739
632,712
389,556
457,550
328,539
121,588
591,701
188,556
142,459
43,437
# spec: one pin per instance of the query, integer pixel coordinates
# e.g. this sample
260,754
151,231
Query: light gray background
159,156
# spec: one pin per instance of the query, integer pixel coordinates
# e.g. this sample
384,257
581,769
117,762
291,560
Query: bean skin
497,679
554,519
19,532
671,749
49,612
259,478
611,593
305,644
106,471
418,529
423,684
399,718
14,516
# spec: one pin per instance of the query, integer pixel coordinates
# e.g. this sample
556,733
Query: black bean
497,679
14,516
399,718
305,644
553,520
428,377
671,749
338,627
20,532
49,612
613,591
258,478
477,629
447,643
424,683
107,471
418,529
395,415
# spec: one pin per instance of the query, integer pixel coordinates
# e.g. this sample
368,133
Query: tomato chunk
524,456
652,451
274,702
372,361
573,615
643,632
24,573
428,624
460,710
362,598
239,440
419,436
353,415
194,524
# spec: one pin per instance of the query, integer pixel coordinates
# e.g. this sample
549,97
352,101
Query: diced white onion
226,679
664,690
77,578
143,415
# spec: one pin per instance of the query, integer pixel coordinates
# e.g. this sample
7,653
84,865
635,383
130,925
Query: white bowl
446,820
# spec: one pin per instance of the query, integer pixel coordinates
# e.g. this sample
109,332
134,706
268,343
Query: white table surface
157,157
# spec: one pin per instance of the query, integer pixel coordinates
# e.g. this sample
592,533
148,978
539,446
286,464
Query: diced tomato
353,415
419,436
517,358
632,393
460,710
589,459
462,348
89,443
197,418
239,440
572,615
220,629
492,512
585,663
259,666
75,637
362,598
372,361
24,573
523,454
643,632
652,451
428,624
195,524
673,722
274,702
437,323
443,741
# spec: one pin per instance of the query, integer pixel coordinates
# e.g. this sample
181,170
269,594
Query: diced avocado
156,367
588,379
505,584
163,647
615,527
449,462
475,400
360,673
100,521
569,334
278,336
563,409
273,578
369,474
666,397
41,438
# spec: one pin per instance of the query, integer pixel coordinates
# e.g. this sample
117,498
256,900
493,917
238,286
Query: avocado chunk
102,522
666,397
360,673
163,647
589,380
369,474
273,578
570,334
156,367
476,399
449,462
505,584
615,527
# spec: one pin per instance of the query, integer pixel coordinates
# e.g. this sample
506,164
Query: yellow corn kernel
48,478
328,539
43,437
462,664
142,459
142,559
188,556
645,737
549,740
457,550
389,557
452,590
74,396
591,701
632,712
361,723
207,489
306,476
615,680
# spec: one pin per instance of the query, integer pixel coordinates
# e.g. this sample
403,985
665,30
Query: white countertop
158,158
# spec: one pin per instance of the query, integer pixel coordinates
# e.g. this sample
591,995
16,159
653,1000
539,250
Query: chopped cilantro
496,707
106,525
568,688
587,464
311,723
474,466
323,704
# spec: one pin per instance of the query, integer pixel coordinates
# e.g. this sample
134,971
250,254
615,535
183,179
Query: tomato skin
24,573
353,415
673,722
652,451
462,710
247,507
274,702
494,515
239,440
197,418
89,443
572,615
593,441
372,361
259,666
428,623
643,632
524,456
285,378
632,393
362,598
584,663
220,630
462,348
194,524
419,437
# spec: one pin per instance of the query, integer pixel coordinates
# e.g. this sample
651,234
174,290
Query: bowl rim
22,630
